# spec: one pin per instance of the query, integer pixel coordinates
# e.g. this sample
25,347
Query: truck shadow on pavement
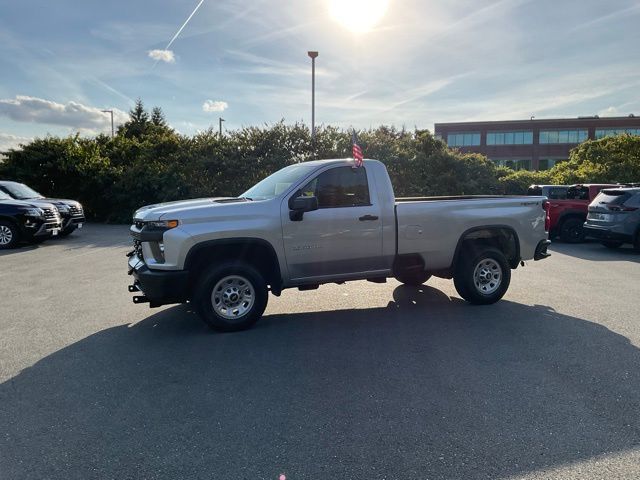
428,387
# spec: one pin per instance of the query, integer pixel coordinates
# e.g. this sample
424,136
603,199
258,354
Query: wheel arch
503,237
564,216
257,252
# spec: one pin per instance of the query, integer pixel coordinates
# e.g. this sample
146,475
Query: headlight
163,224
63,208
34,212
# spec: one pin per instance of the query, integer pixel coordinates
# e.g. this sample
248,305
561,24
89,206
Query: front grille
137,248
76,210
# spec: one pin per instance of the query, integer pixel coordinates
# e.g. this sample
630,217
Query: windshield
21,191
278,182
4,196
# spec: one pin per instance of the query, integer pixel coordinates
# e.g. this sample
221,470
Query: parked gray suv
614,217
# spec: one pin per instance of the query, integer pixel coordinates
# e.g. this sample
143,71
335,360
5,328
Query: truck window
340,187
578,193
558,193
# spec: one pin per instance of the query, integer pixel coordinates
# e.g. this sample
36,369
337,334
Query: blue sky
423,62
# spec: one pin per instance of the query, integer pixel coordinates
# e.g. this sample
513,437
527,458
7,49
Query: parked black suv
21,220
71,211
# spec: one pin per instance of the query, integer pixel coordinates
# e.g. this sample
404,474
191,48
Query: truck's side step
377,280
308,287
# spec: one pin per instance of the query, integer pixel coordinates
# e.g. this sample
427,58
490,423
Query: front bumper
606,234
160,287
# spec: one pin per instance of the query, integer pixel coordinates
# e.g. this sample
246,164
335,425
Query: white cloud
609,112
214,106
162,56
23,108
8,141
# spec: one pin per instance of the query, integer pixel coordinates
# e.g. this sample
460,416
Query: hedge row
113,177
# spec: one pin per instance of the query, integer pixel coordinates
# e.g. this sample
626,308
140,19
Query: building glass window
610,132
563,136
516,164
510,138
547,163
463,139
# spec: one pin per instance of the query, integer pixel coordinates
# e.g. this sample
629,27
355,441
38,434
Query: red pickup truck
565,217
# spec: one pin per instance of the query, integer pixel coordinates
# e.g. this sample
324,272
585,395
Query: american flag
357,151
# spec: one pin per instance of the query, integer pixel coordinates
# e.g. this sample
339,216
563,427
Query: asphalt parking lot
360,381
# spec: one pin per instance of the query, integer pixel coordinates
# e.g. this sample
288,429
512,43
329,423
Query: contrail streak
184,24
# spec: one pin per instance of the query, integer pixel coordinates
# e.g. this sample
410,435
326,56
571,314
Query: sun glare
358,15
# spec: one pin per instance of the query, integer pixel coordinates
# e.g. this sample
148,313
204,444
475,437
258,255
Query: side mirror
299,205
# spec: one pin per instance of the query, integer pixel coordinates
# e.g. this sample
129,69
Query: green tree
157,117
138,123
608,160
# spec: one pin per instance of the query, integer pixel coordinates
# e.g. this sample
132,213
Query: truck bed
432,226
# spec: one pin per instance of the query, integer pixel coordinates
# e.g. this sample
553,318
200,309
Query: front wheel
231,297
9,235
68,231
482,277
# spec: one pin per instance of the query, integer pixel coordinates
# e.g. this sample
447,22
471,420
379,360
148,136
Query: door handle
364,218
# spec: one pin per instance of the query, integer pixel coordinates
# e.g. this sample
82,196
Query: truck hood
183,209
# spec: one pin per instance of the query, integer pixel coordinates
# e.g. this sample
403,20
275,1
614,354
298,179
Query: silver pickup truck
320,222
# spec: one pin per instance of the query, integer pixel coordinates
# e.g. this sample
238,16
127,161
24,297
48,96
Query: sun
358,15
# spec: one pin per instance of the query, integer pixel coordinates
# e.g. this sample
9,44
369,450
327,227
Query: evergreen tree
138,123
157,117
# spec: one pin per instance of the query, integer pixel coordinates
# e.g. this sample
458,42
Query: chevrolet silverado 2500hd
326,221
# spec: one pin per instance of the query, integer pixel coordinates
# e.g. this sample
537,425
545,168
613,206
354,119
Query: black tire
571,230
636,242
9,235
483,292
612,244
40,239
414,279
203,297
67,231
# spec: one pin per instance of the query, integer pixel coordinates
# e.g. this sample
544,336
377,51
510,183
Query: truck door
342,237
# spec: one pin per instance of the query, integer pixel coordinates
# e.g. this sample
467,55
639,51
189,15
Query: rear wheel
636,242
611,244
9,235
231,297
571,230
415,279
482,277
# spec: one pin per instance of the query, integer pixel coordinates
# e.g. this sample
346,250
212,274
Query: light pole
313,56
111,112
220,120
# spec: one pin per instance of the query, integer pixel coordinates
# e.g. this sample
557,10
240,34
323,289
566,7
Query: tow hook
140,299
134,288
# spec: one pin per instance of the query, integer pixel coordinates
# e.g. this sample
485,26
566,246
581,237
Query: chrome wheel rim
233,297
6,235
487,276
